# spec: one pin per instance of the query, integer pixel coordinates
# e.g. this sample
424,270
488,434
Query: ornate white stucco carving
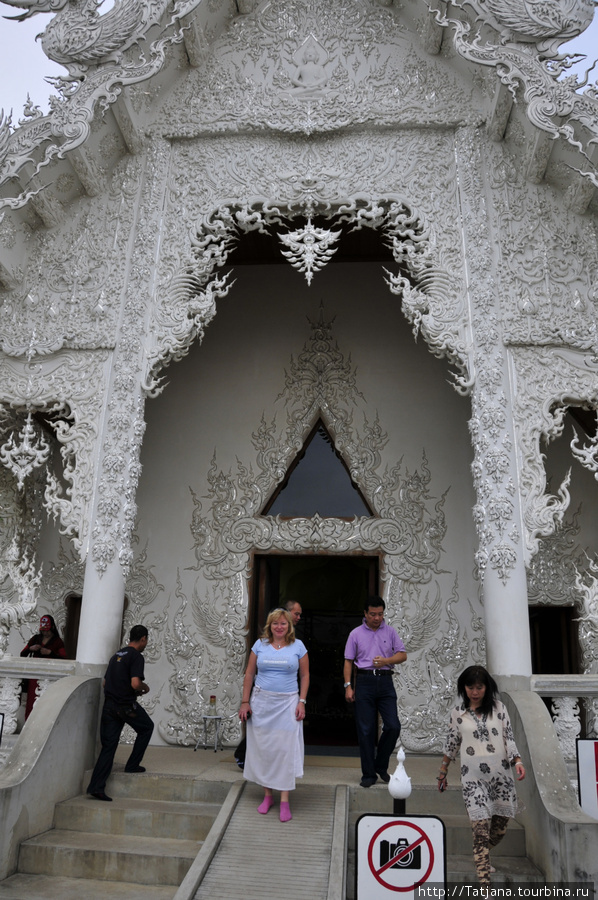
25,451
310,248
565,715
494,466
102,54
408,527
81,378
547,382
551,105
25,580
71,291
587,455
548,263
311,67
428,284
120,466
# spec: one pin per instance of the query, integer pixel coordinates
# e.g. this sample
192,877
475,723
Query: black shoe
135,769
368,782
384,776
100,795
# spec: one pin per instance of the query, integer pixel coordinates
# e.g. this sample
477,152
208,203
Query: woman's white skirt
274,741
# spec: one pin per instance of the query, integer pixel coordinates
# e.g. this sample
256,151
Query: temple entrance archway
332,591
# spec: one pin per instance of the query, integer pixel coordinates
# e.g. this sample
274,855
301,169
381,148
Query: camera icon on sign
411,860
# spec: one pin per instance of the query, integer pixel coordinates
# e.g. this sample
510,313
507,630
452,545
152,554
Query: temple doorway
332,591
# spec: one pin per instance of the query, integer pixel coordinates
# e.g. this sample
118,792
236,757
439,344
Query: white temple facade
298,300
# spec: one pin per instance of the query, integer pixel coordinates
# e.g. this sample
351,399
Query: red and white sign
395,856
587,771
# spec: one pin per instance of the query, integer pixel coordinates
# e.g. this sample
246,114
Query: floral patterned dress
487,752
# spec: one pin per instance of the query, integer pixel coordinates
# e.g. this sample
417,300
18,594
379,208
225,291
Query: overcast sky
23,64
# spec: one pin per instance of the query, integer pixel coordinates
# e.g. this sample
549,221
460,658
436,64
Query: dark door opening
555,644
554,640
332,591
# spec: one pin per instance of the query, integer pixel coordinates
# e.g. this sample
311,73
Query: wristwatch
302,701
347,684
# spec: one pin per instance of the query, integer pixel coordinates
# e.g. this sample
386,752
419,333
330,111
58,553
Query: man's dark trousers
375,694
114,718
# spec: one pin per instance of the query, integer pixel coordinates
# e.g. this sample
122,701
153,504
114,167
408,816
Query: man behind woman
273,710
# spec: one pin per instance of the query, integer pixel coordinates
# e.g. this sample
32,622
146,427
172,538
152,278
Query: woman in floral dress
481,729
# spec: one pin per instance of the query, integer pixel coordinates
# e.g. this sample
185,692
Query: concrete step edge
90,841
61,887
172,807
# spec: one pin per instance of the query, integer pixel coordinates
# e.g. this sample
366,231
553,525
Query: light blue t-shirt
277,669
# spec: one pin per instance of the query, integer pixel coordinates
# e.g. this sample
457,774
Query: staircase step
108,857
509,870
459,838
137,816
46,887
164,787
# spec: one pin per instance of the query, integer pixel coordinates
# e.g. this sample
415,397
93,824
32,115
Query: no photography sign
396,856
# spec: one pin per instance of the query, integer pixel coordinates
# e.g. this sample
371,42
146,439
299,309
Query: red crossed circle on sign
377,872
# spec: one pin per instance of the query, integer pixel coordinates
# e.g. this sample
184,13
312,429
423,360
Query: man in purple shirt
374,648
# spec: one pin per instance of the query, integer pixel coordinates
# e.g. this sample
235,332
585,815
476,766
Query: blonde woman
274,710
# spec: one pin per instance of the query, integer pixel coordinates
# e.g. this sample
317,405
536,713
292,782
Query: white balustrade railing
13,670
570,696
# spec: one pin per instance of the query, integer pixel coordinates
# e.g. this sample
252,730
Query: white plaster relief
311,67
102,54
547,382
548,263
70,295
120,467
552,105
308,177
493,468
81,378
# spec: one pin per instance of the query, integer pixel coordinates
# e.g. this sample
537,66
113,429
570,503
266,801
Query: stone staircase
509,858
139,846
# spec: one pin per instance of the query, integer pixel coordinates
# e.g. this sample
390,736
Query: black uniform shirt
126,664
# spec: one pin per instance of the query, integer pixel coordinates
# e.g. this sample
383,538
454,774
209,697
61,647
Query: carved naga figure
79,36
537,20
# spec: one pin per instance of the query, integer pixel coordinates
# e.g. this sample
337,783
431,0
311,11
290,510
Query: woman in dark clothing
46,644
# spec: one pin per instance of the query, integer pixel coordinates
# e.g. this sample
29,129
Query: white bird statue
399,785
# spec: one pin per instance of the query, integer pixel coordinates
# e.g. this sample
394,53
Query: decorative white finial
399,785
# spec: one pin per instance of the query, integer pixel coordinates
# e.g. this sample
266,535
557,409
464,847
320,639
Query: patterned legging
486,833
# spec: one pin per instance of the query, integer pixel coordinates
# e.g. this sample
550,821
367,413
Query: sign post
395,856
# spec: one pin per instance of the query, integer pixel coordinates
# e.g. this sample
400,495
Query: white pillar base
508,647
102,607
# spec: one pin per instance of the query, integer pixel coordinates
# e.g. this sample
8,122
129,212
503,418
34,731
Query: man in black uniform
123,683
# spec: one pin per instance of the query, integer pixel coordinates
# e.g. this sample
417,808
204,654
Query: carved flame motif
310,248
588,454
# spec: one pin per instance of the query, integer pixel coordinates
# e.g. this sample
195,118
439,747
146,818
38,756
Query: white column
102,609
506,616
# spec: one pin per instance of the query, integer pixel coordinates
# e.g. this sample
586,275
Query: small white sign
397,855
587,774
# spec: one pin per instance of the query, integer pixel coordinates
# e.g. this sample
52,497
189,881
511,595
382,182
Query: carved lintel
87,171
502,104
195,40
433,33
540,151
125,119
